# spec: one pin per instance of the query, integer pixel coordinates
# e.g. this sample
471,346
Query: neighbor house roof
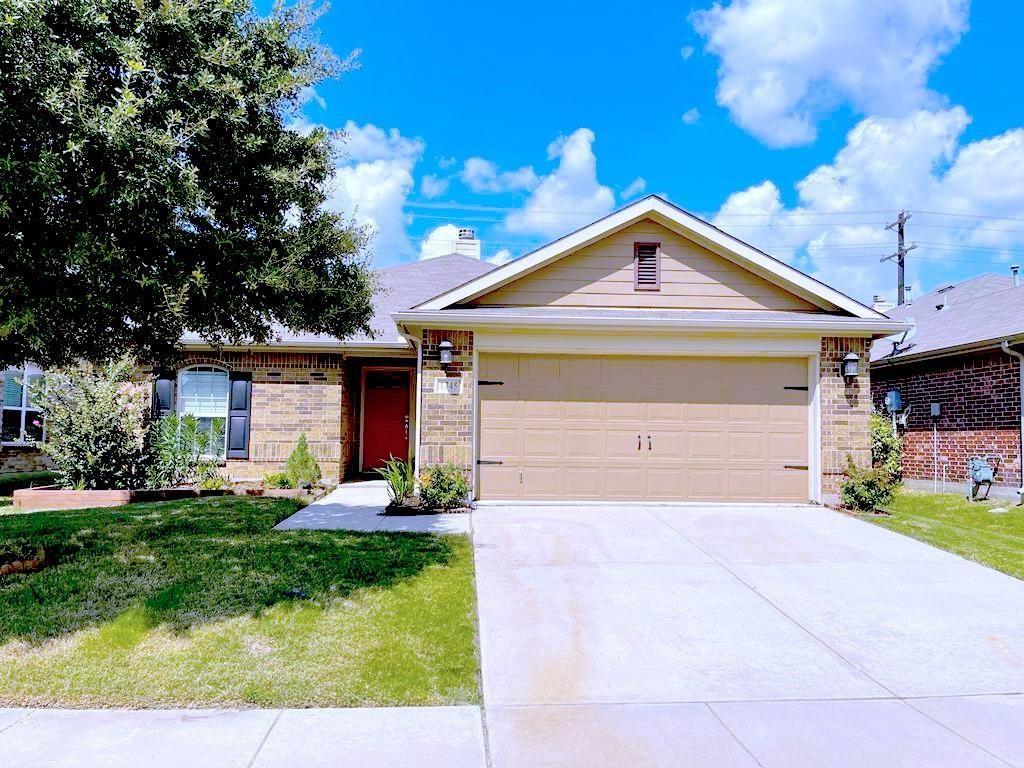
975,314
400,287
680,221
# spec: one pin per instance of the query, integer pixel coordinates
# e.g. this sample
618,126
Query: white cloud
446,162
440,241
836,229
634,188
504,256
372,182
568,197
785,64
691,116
686,52
482,175
432,186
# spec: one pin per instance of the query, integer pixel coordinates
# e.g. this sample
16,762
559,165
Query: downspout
415,341
1020,358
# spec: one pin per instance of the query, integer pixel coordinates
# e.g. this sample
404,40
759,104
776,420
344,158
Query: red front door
385,417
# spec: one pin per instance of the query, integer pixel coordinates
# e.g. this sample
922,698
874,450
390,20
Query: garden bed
51,497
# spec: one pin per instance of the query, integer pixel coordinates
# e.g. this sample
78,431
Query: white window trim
227,410
24,371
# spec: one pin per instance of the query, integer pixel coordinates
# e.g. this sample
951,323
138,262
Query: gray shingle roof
401,287
979,311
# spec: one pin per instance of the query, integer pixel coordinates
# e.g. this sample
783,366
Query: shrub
301,465
181,453
401,482
886,446
443,487
11,482
866,488
215,482
278,480
96,424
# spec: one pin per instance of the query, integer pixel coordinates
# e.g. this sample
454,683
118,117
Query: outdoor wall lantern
446,350
849,366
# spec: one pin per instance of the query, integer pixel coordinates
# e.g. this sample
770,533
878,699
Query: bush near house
301,466
97,421
867,489
444,487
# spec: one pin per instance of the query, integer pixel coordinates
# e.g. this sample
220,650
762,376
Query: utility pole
900,255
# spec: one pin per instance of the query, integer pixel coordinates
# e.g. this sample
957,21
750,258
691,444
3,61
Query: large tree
152,180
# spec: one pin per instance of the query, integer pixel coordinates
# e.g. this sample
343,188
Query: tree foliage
153,182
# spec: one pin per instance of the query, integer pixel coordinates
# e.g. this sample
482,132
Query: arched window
22,421
203,392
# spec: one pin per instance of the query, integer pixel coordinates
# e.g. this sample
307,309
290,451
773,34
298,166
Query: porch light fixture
446,351
848,368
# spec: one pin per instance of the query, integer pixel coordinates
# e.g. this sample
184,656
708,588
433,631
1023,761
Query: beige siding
601,275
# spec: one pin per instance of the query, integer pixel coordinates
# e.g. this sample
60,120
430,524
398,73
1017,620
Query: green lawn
970,529
200,603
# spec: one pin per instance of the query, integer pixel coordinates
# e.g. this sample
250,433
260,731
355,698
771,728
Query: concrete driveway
740,636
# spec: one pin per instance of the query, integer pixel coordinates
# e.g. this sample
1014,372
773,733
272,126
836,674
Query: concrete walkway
360,506
424,737
731,636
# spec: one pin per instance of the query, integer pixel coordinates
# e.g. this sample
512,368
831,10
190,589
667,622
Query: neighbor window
646,266
203,393
22,420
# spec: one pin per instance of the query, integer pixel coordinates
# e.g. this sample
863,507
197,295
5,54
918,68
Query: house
959,389
646,356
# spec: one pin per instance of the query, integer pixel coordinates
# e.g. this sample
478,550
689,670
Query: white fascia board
687,224
455,320
371,347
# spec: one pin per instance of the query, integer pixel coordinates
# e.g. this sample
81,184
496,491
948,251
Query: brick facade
845,411
292,393
16,458
446,420
979,397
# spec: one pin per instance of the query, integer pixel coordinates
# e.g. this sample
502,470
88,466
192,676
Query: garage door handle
648,442
638,442
488,462
794,466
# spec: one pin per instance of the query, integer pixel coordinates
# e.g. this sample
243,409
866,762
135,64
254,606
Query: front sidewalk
383,737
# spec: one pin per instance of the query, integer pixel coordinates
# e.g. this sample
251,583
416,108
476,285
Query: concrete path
360,507
424,737
740,636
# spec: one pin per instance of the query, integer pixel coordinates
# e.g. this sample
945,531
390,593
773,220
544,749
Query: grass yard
200,603
970,529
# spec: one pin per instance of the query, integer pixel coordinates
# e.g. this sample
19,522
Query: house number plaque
448,386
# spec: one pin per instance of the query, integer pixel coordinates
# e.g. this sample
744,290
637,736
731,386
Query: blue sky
801,127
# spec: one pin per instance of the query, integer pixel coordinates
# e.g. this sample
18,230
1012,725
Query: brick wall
292,393
979,395
16,458
845,412
446,420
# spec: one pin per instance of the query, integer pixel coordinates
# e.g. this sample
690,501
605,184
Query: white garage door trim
787,347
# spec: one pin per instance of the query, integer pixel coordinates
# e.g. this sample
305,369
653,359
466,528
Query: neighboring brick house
648,355
954,359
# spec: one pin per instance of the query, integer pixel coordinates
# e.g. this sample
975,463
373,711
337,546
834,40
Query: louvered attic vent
647,267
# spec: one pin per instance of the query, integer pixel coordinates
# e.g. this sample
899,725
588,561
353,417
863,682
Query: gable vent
647,266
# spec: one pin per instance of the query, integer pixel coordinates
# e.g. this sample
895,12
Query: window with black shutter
646,266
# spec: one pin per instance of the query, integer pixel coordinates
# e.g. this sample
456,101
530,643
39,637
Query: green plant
301,465
181,452
278,480
886,446
215,482
866,488
96,423
443,487
401,481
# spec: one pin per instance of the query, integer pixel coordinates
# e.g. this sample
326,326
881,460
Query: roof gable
603,274
683,224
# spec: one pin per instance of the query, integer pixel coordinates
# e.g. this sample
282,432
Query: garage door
692,429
